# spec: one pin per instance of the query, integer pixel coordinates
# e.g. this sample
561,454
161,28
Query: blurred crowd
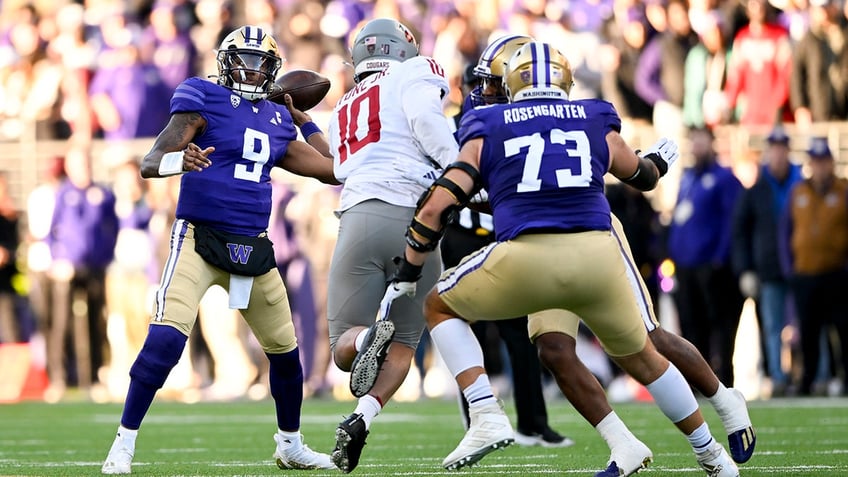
105,70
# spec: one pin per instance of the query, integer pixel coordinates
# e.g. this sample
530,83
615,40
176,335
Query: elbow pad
418,229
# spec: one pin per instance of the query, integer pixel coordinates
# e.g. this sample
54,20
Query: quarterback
555,248
224,139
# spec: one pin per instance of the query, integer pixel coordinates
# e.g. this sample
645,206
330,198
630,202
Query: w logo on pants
239,253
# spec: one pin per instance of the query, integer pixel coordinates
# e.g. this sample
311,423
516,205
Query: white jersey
394,116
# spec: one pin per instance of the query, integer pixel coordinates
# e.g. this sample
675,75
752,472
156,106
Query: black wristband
662,166
406,272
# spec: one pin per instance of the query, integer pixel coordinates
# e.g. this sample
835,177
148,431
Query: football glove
403,281
663,153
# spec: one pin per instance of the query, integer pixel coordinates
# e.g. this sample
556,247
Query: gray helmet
380,43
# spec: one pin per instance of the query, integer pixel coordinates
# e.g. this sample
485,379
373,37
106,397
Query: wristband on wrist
308,129
407,272
171,164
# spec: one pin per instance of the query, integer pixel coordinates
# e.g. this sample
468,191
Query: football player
542,159
473,230
224,139
556,343
393,114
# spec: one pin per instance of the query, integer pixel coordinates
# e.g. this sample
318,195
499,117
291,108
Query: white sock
701,439
479,393
457,345
719,400
613,430
360,338
293,437
369,407
127,434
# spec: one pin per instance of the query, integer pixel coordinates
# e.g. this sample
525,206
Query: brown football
306,87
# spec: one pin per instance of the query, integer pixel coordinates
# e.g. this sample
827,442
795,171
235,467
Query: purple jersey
234,193
543,163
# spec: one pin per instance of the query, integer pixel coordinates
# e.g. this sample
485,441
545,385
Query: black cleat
366,365
350,439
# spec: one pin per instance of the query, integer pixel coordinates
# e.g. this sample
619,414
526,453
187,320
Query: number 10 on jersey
350,121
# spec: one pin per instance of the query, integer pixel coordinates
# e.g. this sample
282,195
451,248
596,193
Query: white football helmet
380,43
537,70
248,62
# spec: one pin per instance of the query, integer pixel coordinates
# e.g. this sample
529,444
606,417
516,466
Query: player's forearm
319,142
176,136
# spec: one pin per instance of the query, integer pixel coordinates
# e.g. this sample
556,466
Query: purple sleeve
647,82
612,120
190,95
471,127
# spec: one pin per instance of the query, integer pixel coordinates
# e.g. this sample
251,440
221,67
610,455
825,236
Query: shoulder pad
424,68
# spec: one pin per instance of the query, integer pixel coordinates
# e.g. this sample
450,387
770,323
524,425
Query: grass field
795,438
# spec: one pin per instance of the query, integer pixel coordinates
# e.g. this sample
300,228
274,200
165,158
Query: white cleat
717,462
119,460
741,437
294,454
489,430
627,459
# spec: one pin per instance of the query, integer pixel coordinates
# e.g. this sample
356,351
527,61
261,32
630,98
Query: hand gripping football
307,88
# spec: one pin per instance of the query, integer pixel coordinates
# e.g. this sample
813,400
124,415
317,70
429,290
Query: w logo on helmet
239,253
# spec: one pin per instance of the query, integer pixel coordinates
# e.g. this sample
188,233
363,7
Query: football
306,87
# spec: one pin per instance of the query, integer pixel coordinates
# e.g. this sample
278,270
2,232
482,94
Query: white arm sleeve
431,128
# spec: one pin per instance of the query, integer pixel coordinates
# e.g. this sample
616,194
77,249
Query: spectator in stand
77,57
819,91
795,18
707,298
29,80
10,327
166,47
759,70
82,238
705,74
128,98
39,213
660,73
815,253
215,22
625,35
755,249
127,285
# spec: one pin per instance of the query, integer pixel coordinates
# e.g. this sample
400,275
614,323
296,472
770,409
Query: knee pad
161,351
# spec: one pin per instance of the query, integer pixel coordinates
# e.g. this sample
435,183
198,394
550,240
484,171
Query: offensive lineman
542,160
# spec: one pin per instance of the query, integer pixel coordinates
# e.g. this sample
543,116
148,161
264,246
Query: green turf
795,438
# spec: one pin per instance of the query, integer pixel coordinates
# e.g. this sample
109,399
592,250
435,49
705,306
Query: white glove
666,150
749,284
393,291
417,172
